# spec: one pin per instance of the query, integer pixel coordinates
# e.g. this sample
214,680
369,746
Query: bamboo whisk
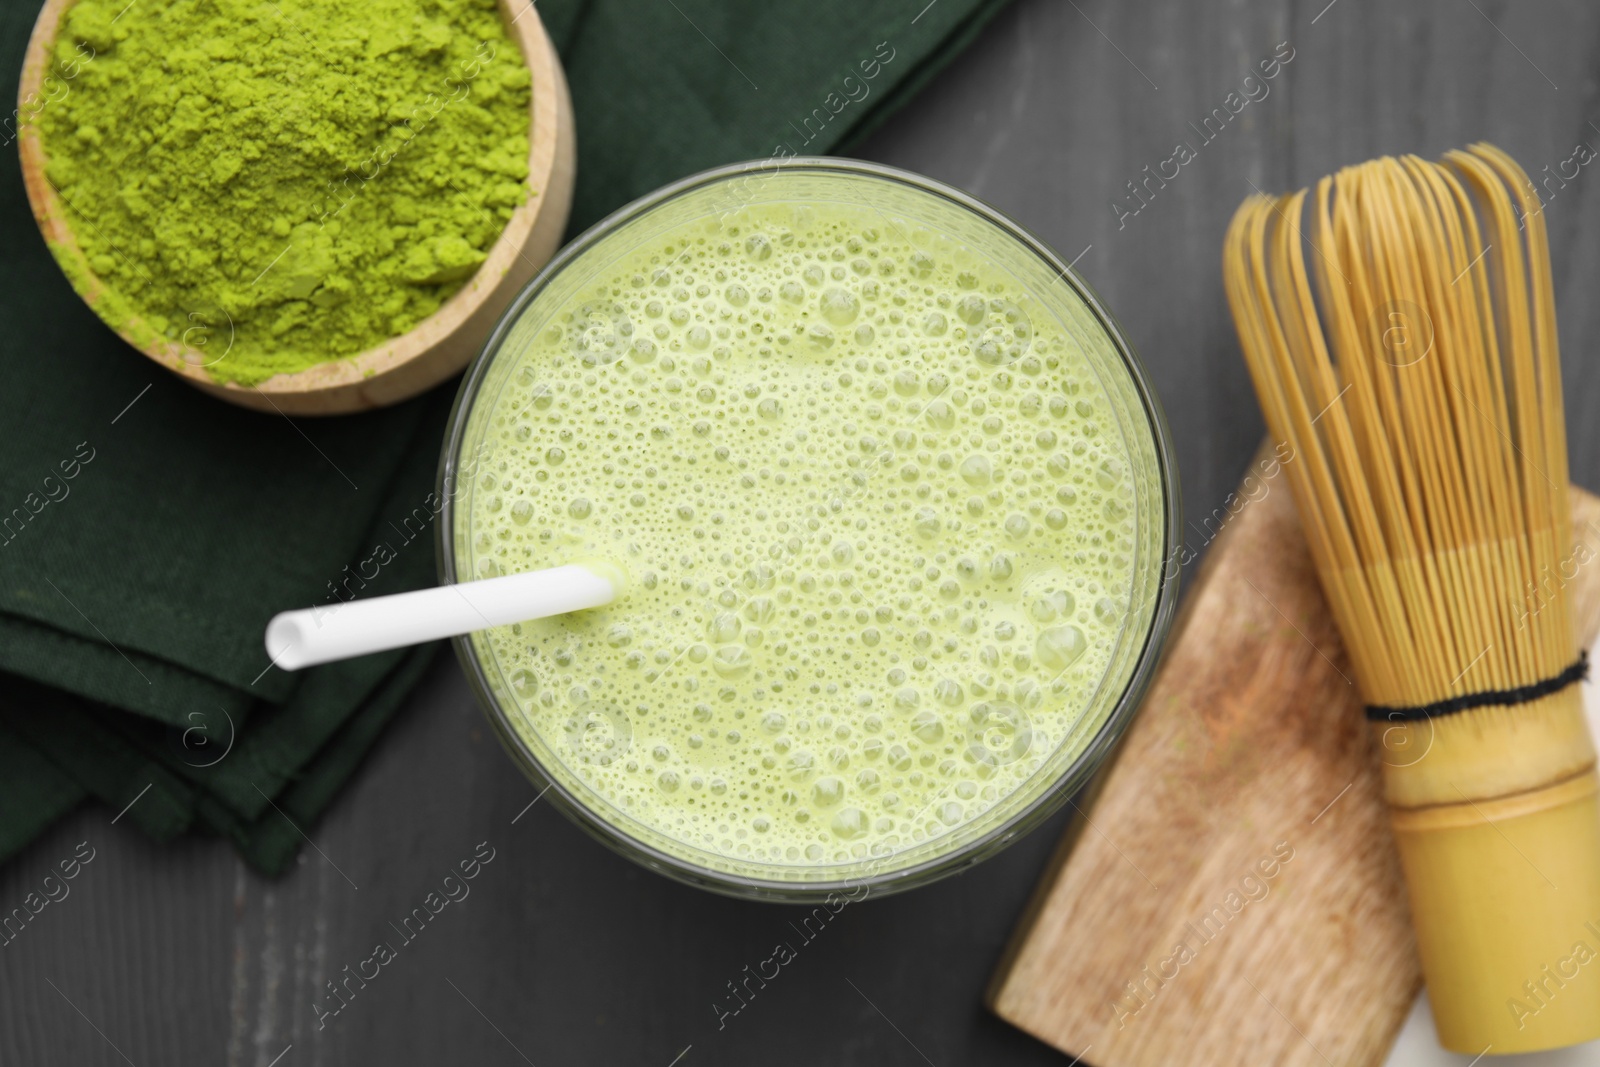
1400,329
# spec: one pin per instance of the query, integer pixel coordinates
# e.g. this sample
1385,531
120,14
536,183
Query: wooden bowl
430,351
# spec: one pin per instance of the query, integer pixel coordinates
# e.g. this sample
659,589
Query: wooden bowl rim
545,121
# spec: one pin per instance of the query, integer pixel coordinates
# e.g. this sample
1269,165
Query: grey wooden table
566,954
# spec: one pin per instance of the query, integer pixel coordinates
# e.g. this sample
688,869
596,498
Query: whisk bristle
1403,342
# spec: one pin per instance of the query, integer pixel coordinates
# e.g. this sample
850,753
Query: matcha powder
278,183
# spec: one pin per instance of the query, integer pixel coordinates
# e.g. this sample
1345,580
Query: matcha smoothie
881,519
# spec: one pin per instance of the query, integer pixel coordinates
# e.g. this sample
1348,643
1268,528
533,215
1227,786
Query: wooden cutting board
1232,895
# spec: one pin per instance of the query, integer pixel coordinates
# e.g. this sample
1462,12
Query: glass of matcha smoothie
896,508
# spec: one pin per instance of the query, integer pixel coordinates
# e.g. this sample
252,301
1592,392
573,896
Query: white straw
298,639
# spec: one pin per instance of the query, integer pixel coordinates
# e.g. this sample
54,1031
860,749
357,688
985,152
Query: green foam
877,513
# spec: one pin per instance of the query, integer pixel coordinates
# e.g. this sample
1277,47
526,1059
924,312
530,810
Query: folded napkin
148,532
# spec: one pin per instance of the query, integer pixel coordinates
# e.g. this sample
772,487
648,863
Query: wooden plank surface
570,955
1234,895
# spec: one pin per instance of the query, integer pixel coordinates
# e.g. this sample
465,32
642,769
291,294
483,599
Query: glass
933,212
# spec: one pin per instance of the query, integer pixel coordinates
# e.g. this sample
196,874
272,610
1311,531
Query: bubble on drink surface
976,470
1057,603
1005,334
601,332
827,792
732,661
849,823
863,501
1059,647
724,627
927,726
839,306
1001,734
598,734
972,310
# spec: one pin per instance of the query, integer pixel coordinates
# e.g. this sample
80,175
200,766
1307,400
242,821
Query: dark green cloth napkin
147,532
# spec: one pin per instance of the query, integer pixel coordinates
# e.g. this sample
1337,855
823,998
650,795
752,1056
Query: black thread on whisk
1525,694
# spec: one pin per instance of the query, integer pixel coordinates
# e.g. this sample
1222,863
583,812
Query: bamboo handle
1505,885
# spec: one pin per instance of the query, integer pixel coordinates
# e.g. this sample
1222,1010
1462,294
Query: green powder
278,183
